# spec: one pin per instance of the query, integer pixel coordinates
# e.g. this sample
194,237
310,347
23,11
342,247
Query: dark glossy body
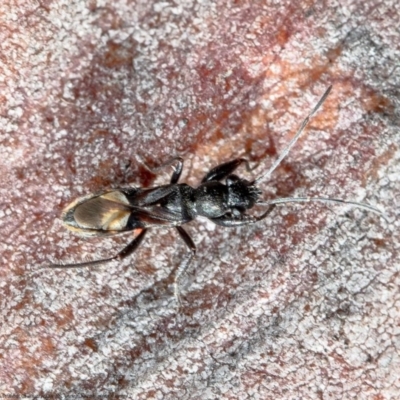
127,209
176,204
222,197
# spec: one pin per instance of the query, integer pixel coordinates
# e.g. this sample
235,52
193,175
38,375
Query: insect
222,197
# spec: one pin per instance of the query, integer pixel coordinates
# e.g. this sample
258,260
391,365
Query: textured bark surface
302,305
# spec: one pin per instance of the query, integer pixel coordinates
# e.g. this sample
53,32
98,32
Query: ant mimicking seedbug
127,209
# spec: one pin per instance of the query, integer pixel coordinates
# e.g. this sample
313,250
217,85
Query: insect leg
222,171
177,169
182,268
126,251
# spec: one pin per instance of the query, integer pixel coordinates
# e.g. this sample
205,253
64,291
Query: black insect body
222,197
120,210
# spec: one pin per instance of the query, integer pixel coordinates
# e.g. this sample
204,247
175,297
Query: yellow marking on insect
93,215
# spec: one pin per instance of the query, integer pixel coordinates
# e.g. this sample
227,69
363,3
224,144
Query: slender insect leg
177,169
185,265
132,246
265,214
126,251
222,171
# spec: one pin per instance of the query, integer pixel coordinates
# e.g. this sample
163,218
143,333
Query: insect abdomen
105,213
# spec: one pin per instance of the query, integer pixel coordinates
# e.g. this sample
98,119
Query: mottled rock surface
304,305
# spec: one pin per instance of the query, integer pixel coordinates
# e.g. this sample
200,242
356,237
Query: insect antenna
285,200
295,138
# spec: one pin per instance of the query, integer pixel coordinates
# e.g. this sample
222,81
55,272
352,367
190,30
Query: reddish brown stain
122,381
334,53
97,134
282,36
99,182
137,351
45,5
145,176
117,55
91,343
26,300
206,297
291,219
27,384
20,173
64,316
48,345
378,161
374,102
146,269
105,292
315,74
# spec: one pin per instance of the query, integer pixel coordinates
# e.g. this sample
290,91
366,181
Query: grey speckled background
304,305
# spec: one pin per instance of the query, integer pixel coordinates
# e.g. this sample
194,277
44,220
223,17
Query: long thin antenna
295,138
285,200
